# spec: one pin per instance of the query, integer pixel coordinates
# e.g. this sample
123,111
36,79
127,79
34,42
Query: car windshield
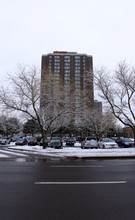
126,140
20,139
107,140
89,139
32,139
114,138
70,139
56,138
54,141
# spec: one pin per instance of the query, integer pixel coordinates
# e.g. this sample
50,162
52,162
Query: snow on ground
14,153
3,156
75,151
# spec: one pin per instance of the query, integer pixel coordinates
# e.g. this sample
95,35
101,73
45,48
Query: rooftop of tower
66,52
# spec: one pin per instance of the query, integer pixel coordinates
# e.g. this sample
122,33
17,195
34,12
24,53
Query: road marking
76,166
13,153
80,183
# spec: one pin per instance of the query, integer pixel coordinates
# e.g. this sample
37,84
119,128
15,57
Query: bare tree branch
118,91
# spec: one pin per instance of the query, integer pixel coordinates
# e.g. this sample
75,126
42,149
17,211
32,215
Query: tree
97,123
31,127
9,125
118,91
27,96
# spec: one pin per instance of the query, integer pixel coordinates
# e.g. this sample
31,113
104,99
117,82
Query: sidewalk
76,152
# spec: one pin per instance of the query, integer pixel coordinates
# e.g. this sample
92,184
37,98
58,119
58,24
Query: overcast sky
29,28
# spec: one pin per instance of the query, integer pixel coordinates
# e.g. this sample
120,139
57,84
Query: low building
128,132
98,106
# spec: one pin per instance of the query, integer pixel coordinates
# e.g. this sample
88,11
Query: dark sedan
124,142
21,141
56,144
70,141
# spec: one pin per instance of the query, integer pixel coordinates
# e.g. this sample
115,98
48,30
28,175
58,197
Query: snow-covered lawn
3,156
76,151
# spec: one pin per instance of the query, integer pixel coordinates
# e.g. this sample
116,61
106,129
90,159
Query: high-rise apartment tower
75,71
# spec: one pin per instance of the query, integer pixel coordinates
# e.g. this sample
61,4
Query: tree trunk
45,141
45,145
134,137
44,136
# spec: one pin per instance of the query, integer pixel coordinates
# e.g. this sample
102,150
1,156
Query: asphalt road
56,189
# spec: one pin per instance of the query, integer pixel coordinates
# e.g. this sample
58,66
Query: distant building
72,69
98,106
128,132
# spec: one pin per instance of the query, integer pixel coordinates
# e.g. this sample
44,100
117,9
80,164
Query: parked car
21,141
56,143
9,139
32,141
89,142
15,138
107,143
132,139
64,139
3,140
41,142
124,142
70,141
39,139
114,138
57,138
48,140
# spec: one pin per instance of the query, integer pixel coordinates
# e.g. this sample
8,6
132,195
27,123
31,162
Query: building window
77,82
57,71
67,64
56,67
77,67
56,64
77,77
67,82
57,57
77,73
67,70
67,57
77,57
77,64
66,67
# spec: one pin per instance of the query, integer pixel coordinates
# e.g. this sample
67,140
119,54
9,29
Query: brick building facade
75,72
